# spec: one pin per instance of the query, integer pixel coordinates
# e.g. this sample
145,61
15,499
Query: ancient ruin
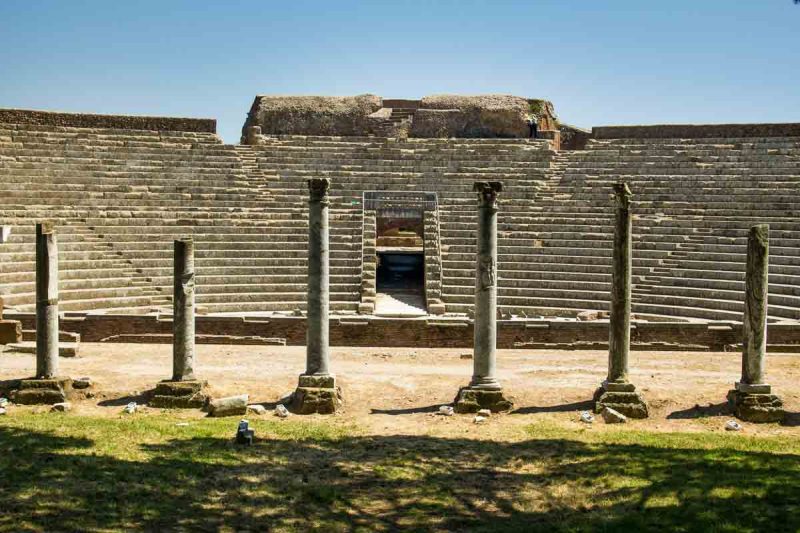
617,392
752,399
184,389
384,252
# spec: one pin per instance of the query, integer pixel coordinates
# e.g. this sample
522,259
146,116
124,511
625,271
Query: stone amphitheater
120,189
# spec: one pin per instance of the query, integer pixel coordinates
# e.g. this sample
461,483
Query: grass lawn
79,473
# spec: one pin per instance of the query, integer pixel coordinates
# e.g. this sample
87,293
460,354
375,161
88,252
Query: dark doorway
400,277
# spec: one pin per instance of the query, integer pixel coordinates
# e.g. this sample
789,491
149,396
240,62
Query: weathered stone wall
371,331
574,138
689,131
125,122
314,115
491,115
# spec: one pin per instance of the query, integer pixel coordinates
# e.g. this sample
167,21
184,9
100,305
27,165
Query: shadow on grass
140,398
388,483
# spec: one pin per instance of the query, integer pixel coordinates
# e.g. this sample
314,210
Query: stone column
619,335
484,390
752,399
46,301
183,390
47,387
616,392
317,391
183,311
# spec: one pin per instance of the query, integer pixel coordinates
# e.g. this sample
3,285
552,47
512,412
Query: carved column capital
487,192
318,189
622,195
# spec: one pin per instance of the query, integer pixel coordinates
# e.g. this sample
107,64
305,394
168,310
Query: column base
316,394
472,400
188,394
43,391
622,397
755,403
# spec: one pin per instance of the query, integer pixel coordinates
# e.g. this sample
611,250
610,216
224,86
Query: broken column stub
484,390
47,387
752,399
316,389
616,392
183,390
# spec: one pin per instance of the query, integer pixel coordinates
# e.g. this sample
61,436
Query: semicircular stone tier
120,197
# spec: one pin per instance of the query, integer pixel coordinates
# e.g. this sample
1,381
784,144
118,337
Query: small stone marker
733,425
3,402
610,416
485,412
281,411
479,419
81,383
257,409
244,435
587,417
446,410
130,408
229,406
61,407
2,411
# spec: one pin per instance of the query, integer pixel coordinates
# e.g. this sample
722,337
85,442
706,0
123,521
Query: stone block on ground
10,331
61,407
228,406
612,416
179,395
758,408
42,391
470,400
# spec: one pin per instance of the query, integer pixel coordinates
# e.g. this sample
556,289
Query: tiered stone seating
119,197
447,167
694,202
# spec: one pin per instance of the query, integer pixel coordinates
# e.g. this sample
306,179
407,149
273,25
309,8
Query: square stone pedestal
43,391
469,400
755,403
621,397
316,394
179,395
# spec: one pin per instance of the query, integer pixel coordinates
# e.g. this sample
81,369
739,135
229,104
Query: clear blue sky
600,62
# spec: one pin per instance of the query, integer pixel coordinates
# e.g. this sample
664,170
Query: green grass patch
75,473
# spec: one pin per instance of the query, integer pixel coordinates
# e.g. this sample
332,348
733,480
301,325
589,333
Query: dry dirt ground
398,390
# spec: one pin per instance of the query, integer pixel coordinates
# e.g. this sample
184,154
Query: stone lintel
471,400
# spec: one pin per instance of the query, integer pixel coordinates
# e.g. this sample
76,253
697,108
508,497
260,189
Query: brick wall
439,333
